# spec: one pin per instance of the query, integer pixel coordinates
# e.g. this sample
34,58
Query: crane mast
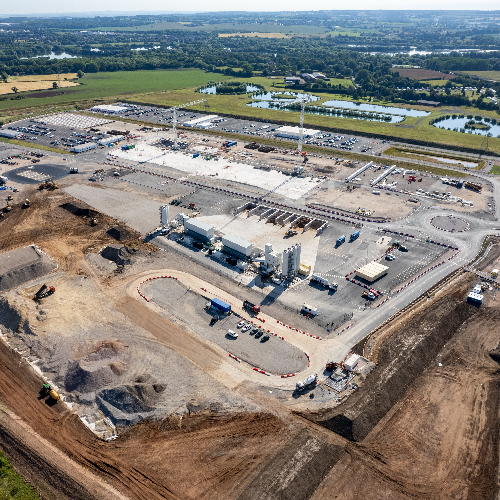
174,120
298,169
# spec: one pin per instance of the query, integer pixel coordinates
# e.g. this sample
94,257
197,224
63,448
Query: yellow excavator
48,391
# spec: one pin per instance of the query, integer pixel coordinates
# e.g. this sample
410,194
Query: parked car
246,328
258,334
232,334
254,331
240,324
265,338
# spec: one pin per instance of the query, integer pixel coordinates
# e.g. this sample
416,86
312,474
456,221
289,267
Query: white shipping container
238,244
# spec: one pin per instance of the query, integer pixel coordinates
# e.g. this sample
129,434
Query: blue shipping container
354,235
221,305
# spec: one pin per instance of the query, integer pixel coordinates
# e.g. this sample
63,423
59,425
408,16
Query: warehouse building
202,122
10,134
236,246
109,109
294,132
372,271
111,139
198,230
80,148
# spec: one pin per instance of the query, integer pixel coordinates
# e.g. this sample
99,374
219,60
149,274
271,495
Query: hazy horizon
151,7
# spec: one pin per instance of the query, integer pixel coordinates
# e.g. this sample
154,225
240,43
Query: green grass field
490,75
117,84
411,128
12,485
495,170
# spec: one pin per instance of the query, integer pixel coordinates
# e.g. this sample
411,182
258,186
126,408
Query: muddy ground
424,424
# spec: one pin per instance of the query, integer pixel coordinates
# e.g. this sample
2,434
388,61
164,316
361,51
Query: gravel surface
138,212
22,265
275,356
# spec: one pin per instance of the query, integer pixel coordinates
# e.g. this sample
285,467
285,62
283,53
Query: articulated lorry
251,307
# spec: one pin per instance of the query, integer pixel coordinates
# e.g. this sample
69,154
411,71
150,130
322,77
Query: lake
376,108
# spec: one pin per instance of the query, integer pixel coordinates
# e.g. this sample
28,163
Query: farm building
371,271
11,134
109,108
202,122
80,148
294,132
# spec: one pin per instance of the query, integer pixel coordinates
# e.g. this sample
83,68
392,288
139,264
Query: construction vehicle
291,233
368,295
474,186
48,184
251,307
26,204
355,235
48,391
73,170
8,208
44,291
10,197
308,382
93,221
340,241
331,365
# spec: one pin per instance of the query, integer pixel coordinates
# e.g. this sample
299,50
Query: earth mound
22,265
119,254
98,368
122,233
128,404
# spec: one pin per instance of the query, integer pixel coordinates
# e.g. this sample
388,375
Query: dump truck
475,186
308,382
44,291
251,307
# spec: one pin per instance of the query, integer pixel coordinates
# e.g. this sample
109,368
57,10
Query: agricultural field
115,84
250,35
489,75
37,82
423,74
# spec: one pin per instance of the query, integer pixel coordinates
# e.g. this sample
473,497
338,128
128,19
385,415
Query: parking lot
273,355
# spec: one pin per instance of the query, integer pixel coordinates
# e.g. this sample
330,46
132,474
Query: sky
21,7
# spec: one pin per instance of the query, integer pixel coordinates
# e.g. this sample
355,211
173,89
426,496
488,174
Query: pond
457,124
281,105
375,108
53,55
275,97
213,89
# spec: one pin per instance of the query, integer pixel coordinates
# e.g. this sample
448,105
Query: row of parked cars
245,327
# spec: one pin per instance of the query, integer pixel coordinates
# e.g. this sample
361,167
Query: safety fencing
150,279
340,332
396,232
441,244
428,270
297,330
467,227
249,197
381,221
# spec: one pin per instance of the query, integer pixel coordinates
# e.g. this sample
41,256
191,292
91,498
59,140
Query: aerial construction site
187,316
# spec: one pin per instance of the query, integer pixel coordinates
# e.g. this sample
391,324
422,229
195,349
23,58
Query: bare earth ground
437,438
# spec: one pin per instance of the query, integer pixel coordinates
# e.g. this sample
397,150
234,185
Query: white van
232,334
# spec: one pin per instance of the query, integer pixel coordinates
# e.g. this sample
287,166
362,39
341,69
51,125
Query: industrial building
11,134
294,132
198,229
202,122
372,271
236,246
109,109
291,261
80,148
111,139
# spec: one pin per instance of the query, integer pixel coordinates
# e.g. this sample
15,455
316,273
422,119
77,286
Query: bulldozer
48,391
44,291
48,184
26,203
291,233
93,221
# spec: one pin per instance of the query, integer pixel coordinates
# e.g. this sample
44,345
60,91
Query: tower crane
298,169
174,120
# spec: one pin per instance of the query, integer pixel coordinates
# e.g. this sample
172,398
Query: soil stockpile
120,255
22,265
402,358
